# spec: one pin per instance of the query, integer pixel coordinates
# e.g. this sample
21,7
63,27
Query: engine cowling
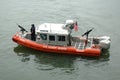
104,42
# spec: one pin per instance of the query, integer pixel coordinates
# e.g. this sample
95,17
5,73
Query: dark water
20,63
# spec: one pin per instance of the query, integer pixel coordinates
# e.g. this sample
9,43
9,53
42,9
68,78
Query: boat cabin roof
52,28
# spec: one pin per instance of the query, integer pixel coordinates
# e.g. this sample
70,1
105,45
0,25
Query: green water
21,63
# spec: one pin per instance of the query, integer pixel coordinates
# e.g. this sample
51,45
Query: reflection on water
46,61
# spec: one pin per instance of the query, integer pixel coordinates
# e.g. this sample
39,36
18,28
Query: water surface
20,63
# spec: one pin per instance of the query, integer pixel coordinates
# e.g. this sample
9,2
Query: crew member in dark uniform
33,37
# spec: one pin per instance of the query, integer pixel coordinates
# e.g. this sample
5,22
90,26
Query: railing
79,45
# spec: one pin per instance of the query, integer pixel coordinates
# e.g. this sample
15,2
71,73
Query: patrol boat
57,38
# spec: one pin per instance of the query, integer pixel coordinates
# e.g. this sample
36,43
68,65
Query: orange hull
93,52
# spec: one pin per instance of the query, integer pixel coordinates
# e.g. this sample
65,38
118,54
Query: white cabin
53,34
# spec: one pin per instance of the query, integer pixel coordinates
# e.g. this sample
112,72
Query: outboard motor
104,42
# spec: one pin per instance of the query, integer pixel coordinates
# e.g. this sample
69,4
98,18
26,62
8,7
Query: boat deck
81,44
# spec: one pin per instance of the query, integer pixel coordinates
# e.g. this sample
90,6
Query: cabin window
61,38
51,37
43,36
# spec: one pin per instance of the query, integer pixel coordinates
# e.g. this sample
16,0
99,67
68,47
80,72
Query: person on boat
33,32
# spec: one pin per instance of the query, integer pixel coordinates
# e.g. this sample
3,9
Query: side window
51,37
43,36
61,38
